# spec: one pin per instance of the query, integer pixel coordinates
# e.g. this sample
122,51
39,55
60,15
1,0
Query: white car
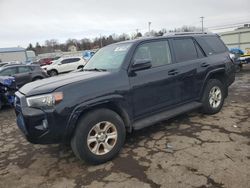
64,64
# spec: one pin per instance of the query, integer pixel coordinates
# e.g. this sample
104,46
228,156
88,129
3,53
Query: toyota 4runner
124,87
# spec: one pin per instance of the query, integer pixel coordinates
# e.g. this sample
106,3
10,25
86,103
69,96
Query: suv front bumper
39,126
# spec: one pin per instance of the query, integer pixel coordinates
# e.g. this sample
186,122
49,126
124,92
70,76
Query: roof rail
185,33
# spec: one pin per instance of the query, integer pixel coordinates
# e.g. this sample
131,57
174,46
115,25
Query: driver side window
157,51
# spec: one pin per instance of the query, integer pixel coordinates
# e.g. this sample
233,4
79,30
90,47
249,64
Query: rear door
188,57
64,66
153,89
74,63
69,64
23,75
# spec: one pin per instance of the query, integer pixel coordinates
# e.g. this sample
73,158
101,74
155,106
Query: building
239,38
72,48
13,54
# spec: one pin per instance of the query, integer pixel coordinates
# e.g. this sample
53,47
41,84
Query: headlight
48,100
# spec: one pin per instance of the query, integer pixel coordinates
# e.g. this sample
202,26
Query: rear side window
212,45
71,60
184,49
158,52
23,69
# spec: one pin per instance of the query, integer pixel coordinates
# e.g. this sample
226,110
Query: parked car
23,73
64,64
7,90
9,63
46,61
88,54
239,58
124,87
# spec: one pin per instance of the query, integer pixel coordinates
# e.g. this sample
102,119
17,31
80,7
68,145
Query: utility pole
149,24
202,22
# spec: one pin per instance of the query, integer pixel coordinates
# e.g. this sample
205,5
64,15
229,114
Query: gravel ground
191,150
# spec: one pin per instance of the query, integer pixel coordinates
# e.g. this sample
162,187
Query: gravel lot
192,150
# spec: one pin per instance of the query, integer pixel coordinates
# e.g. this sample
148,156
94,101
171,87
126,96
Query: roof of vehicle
18,65
14,49
168,35
67,57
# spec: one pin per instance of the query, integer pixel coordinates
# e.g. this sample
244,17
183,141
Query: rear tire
99,136
80,67
213,97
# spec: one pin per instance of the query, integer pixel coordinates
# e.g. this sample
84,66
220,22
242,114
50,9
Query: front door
153,89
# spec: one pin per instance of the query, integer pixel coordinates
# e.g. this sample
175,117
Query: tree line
53,45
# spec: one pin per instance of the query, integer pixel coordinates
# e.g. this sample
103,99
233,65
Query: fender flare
208,76
79,109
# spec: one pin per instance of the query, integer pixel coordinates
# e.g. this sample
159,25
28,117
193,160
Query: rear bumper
38,126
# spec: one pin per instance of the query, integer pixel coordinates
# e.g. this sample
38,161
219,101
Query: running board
145,122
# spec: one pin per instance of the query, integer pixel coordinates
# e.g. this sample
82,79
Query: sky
30,21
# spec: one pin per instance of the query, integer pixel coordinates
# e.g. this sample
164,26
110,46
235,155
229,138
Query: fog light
45,124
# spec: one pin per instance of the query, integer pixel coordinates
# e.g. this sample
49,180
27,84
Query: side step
145,122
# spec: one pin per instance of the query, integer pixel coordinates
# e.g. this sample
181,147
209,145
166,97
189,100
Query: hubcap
215,97
102,138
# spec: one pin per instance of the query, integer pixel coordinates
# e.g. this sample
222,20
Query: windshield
109,58
56,61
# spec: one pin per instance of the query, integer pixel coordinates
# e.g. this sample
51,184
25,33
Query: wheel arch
82,109
53,70
218,74
80,66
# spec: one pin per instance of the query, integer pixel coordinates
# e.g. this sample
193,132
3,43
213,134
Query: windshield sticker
121,48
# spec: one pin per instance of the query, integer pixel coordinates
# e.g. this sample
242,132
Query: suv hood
51,84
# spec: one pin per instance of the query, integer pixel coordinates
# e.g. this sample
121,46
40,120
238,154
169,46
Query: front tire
213,97
99,136
53,73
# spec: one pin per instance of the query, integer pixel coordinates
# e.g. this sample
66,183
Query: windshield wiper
95,69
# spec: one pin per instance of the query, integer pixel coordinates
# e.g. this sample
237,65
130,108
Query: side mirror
141,64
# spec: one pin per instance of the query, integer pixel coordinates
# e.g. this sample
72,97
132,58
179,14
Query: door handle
204,64
173,72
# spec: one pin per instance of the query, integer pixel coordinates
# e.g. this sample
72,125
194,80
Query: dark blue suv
124,87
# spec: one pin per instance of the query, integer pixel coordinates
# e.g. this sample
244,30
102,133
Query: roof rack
185,33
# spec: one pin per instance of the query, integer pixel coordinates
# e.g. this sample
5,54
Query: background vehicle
64,64
239,58
7,90
13,54
88,54
23,73
9,63
45,61
126,86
